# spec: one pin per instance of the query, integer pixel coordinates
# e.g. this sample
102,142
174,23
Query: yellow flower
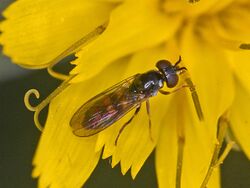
114,39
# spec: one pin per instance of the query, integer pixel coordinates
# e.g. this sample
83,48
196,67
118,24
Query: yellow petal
240,65
194,9
200,7
197,149
232,23
166,152
211,74
36,32
240,117
213,80
210,70
127,32
220,5
62,158
228,28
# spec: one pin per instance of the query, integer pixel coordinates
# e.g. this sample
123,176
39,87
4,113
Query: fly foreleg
169,92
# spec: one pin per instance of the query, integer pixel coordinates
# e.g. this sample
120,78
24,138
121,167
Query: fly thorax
148,83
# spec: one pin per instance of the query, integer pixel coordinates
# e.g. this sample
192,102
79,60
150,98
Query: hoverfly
104,109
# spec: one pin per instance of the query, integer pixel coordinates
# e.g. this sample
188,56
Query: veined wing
105,108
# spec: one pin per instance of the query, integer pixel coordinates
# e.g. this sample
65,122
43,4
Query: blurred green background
19,137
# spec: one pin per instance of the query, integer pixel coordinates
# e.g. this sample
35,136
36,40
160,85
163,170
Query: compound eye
163,64
172,80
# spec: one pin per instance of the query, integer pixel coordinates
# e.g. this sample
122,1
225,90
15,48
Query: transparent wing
105,108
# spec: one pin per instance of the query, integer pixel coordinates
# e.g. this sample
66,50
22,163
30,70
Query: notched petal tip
75,47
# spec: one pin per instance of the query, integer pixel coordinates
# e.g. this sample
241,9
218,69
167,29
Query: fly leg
123,127
149,119
169,92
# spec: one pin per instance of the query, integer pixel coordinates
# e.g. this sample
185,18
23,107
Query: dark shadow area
236,171
3,5
19,136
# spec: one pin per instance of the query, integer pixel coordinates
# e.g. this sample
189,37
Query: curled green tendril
27,96
37,109
72,49
55,74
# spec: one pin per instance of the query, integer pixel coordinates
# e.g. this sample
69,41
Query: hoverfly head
170,72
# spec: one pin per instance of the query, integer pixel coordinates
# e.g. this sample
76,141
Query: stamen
181,142
223,123
37,109
73,49
195,98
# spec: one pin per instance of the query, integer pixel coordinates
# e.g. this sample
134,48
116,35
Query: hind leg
129,121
